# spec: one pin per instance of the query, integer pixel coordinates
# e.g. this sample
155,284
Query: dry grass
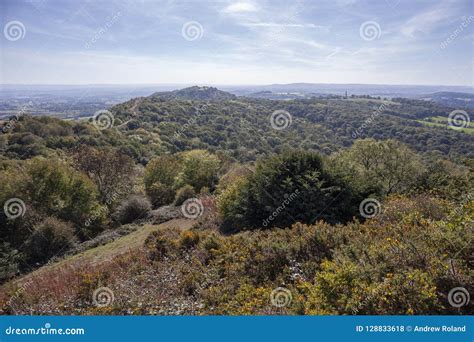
100,254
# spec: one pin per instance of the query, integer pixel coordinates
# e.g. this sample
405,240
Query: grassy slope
117,247
440,121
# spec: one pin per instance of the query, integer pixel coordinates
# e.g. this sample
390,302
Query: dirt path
134,111
110,250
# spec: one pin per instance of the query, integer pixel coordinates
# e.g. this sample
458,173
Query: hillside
452,99
194,93
199,202
242,127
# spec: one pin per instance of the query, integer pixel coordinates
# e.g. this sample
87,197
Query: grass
442,122
122,245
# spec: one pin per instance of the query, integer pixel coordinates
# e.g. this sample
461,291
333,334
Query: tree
382,167
50,188
108,168
160,177
50,238
288,188
199,169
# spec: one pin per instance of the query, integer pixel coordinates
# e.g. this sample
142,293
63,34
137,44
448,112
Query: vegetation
270,208
293,187
404,261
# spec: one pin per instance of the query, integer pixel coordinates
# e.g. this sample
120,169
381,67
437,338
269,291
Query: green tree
382,167
160,177
51,188
108,168
199,169
288,188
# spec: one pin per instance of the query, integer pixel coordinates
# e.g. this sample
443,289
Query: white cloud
270,24
240,7
425,22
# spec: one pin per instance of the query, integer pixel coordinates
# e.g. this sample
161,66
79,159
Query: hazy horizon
200,84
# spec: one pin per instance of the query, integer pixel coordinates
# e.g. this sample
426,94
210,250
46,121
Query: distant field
441,121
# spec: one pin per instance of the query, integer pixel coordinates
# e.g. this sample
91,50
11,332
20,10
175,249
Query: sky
424,42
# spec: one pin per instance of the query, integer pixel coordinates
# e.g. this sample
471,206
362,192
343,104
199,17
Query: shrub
108,168
159,179
188,239
132,209
382,167
9,261
183,194
293,187
53,188
50,238
160,194
199,169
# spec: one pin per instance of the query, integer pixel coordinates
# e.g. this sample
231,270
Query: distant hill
242,127
452,99
390,91
195,93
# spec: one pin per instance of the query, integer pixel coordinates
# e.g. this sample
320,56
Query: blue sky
237,42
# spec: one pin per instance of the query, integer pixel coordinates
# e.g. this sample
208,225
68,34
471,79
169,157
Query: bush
50,238
188,239
381,167
108,168
183,194
199,169
293,187
52,188
132,209
159,179
9,261
160,194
